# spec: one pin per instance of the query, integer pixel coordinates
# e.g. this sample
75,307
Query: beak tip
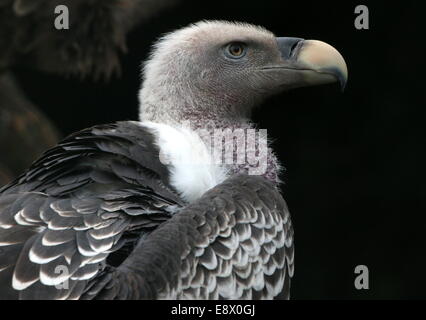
324,58
340,76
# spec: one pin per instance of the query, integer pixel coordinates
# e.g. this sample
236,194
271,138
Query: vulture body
104,190
140,210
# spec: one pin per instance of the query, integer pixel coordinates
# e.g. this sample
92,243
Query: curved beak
309,62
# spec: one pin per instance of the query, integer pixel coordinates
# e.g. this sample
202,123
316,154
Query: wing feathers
62,219
242,243
101,192
25,272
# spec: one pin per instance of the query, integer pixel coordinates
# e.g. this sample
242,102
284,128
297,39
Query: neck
235,142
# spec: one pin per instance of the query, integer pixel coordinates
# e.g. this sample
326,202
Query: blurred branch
90,48
24,131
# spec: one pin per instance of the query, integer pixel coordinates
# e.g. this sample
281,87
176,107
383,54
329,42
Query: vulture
147,209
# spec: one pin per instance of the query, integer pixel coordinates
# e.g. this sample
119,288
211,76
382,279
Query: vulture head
211,74
216,70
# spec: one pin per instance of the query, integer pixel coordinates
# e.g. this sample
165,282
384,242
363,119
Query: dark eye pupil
236,50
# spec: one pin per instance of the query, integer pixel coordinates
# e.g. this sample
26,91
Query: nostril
288,46
293,48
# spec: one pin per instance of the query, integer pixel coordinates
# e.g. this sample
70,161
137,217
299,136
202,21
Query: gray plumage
80,203
75,206
217,242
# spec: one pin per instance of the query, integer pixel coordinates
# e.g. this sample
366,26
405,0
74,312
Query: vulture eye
236,50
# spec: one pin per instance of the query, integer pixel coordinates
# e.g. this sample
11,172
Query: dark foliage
91,48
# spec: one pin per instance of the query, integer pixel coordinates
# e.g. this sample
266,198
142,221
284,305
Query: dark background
355,179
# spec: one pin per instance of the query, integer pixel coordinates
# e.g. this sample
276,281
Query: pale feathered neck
209,126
